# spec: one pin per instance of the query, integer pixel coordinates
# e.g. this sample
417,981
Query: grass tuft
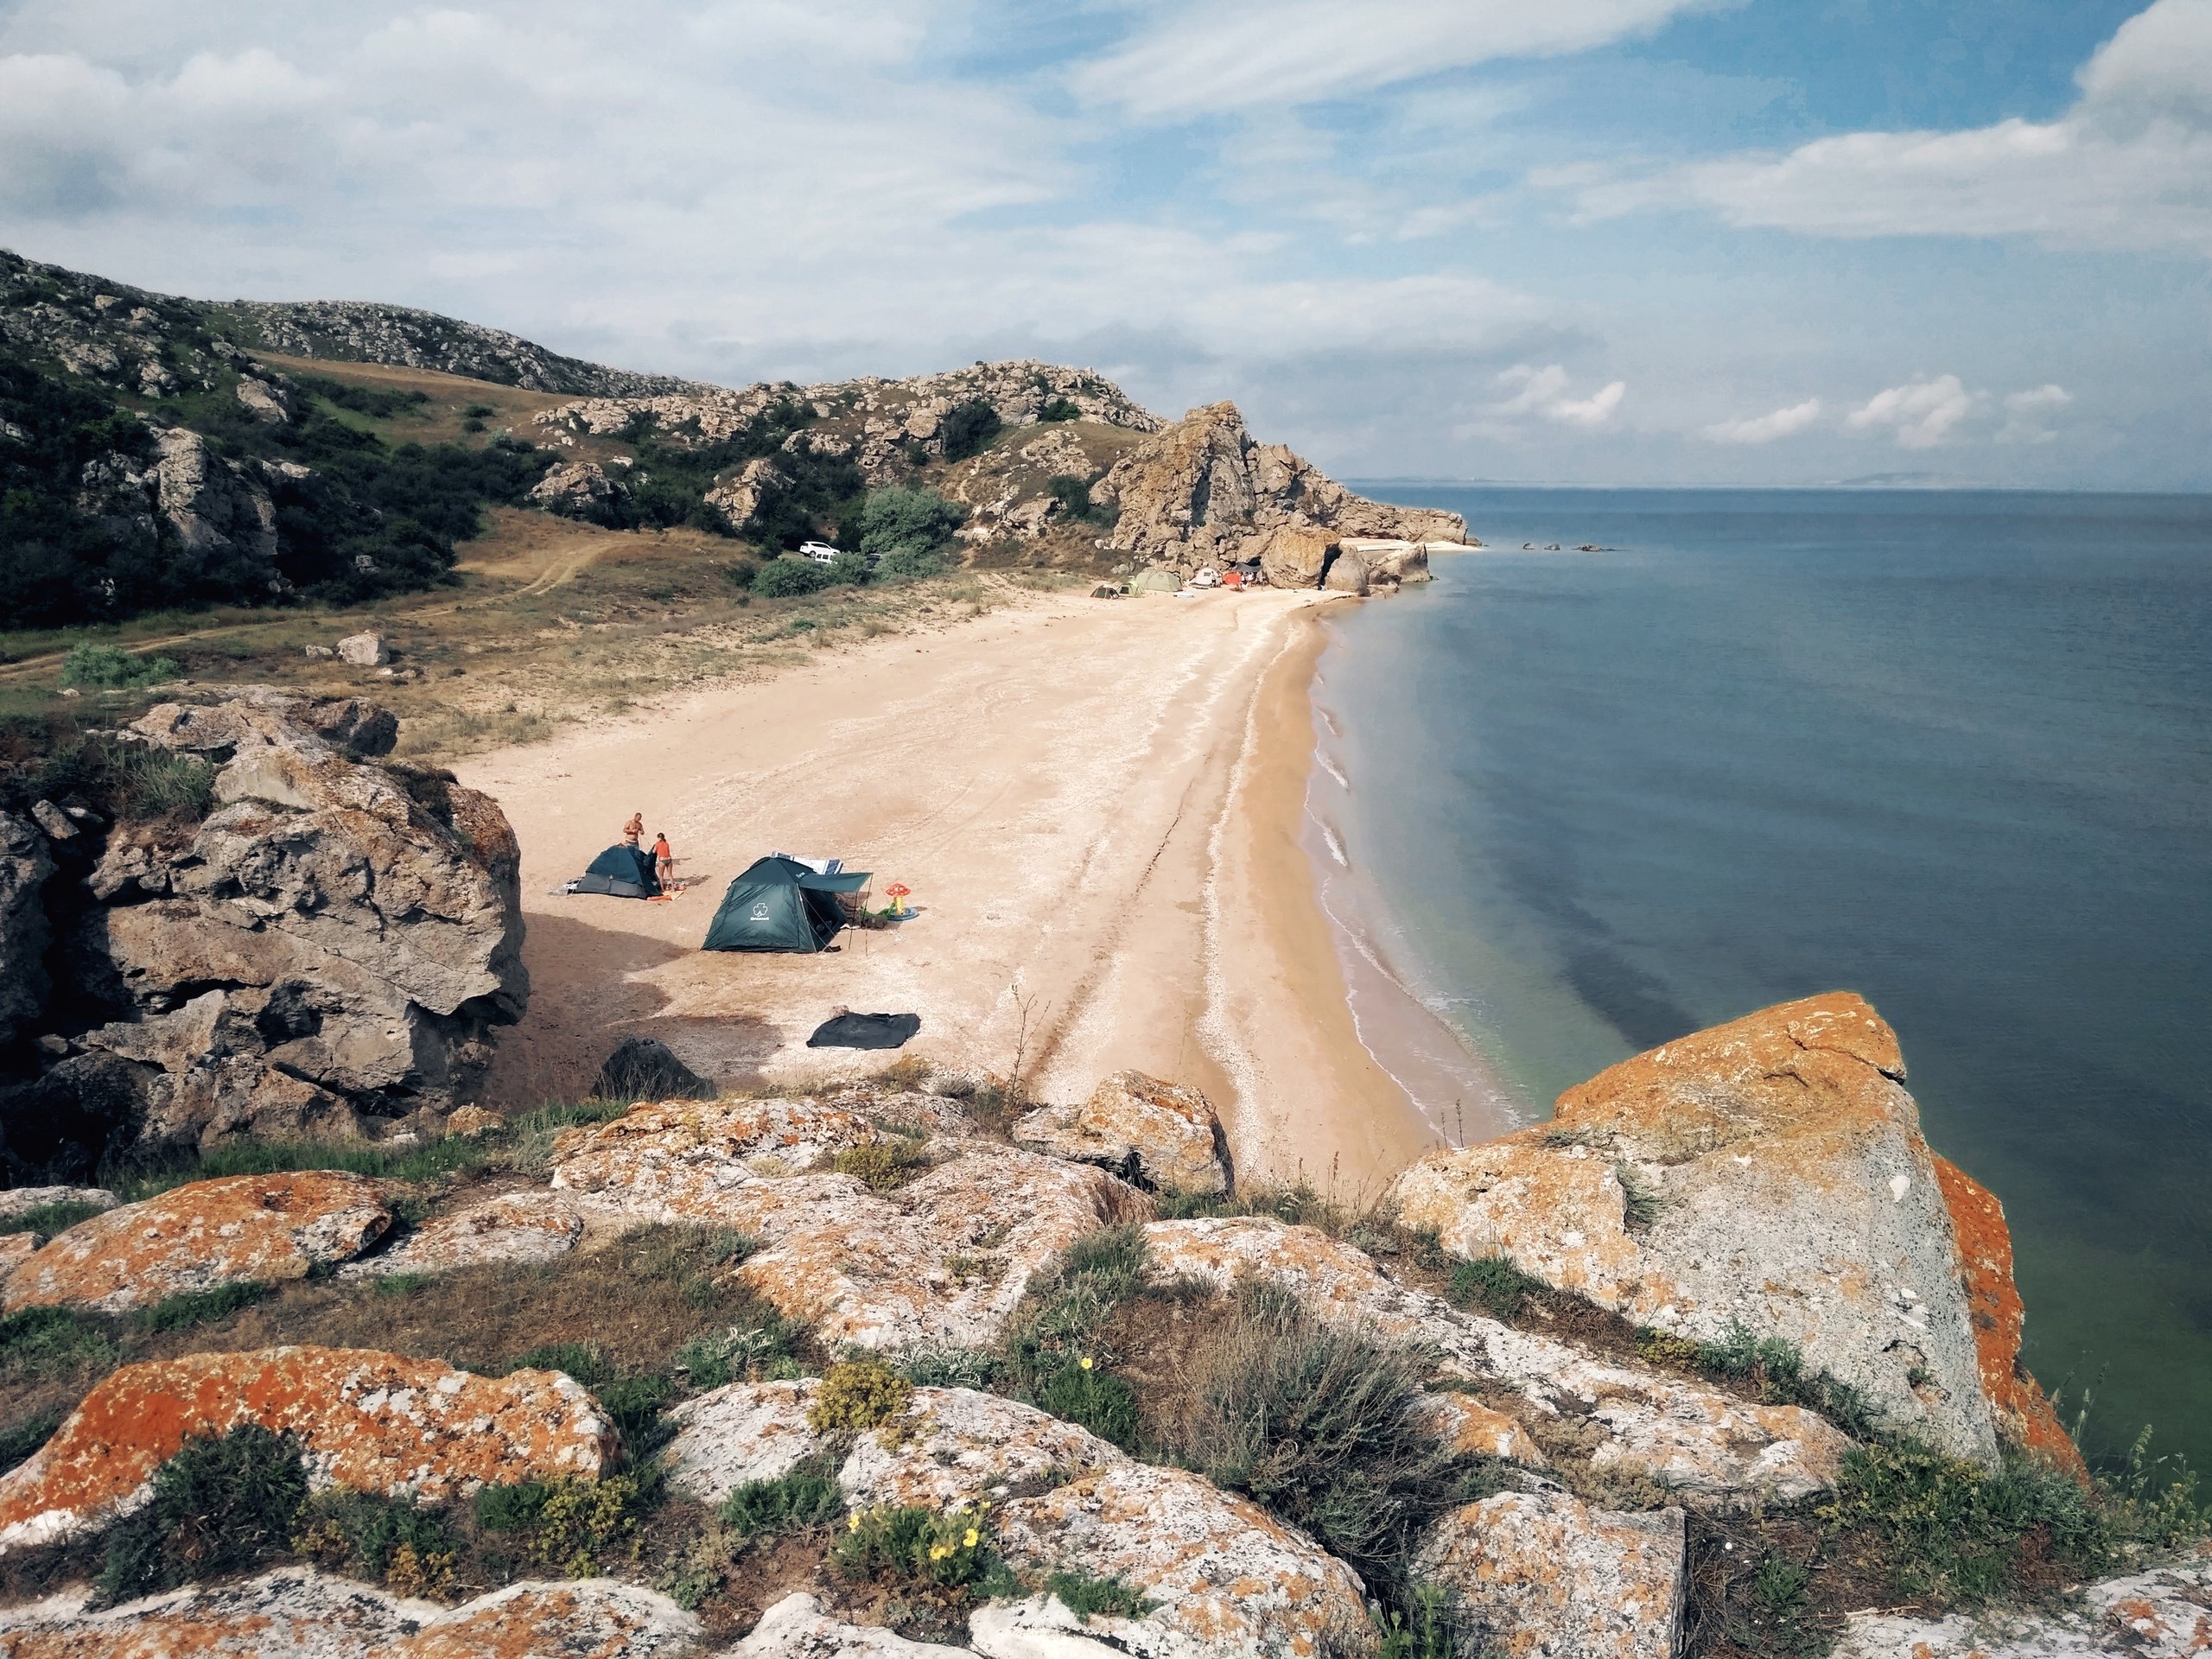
807,1495
221,1504
190,1308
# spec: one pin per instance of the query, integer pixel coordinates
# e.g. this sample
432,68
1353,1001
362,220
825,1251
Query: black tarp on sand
866,1031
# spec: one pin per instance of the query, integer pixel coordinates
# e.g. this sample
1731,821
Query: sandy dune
1097,807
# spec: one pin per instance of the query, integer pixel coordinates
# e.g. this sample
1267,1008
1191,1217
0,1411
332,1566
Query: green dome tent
780,905
624,871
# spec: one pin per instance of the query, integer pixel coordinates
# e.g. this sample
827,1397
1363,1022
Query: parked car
820,552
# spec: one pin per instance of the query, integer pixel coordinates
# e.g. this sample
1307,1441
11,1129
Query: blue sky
1602,241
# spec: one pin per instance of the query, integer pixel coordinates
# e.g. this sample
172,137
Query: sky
1759,242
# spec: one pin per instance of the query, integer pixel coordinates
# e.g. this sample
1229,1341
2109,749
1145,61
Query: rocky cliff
329,946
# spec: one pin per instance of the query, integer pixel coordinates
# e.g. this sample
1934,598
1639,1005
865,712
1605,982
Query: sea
1952,750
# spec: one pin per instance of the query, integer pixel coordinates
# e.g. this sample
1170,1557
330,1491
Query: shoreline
1459,1093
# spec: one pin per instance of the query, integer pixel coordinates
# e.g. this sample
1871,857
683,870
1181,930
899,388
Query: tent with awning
778,904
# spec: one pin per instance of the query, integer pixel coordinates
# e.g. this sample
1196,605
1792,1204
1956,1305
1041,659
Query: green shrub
53,1342
407,1546
1952,1528
1084,1394
193,1308
1427,1627
890,1541
788,577
882,1164
1083,1595
969,429
1057,1324
932,1366
1320,1423
850,569
1060,408
909,564
111,667
765,1352
858,1395
808,1495
1073,494
19,1440
220,1504
570,1525
1493,1283
1775,1368
907,530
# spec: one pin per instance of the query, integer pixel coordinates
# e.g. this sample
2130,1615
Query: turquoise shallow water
1953,751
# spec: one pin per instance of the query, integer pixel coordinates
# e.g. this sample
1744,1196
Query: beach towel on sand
866,1031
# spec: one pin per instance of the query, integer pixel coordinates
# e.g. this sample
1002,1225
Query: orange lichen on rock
263,1228
365,1421
2025,1414
1471,1429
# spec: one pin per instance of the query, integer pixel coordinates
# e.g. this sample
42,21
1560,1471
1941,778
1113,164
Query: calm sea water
1953,751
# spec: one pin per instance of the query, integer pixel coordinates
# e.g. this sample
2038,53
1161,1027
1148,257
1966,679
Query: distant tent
1155,580
780,905
622,870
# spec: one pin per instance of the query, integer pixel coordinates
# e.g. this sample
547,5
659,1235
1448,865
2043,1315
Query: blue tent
624,871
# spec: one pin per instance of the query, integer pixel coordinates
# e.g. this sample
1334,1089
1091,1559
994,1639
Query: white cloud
2027,414
2128,166
1765,429
1922,413
1205,56
1542,392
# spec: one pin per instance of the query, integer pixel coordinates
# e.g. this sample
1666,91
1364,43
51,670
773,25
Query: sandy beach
1098,807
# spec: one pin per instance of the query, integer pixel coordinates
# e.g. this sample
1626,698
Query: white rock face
2162,1614
797,1628
1547,1577
363,650
1709,1447
514,1227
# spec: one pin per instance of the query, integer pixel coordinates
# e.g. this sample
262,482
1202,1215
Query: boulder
645,1068
213,506
1710,1448
797,1628
515,1227
262,401
366,1422
1542,1574
2026,1417
25,864
1347,573
579,489
260,1228
1472,1429
363,650
15,1248
944,1259
1150,1133
1390,562
296,1612
738,498
952,1445
336,939
681,1160
2164,1613
1203,486
1767,1174
1226,1577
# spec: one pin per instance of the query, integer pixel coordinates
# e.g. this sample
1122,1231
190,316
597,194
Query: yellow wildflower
938,1551
970,1540
853,1523
1084,1363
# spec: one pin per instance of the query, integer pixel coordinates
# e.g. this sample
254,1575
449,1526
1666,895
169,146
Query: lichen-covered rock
1155,1133
1544,1576
261,1227
1768,1173
2164,1613
950,1445
514,1227
19,1201
366,1421
797,1628
579,489
15,1248
1472,1429
1203,490
944,1259
296,1612
684,1160
1710,1448
2026,1415
1226,1577
25,864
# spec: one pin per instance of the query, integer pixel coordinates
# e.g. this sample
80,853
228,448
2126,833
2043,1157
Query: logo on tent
759,913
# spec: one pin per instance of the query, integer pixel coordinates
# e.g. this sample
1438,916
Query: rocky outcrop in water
1204,492
334,942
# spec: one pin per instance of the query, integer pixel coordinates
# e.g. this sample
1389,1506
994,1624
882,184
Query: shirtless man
633,832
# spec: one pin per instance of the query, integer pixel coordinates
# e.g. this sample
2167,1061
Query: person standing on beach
633,832
663,863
